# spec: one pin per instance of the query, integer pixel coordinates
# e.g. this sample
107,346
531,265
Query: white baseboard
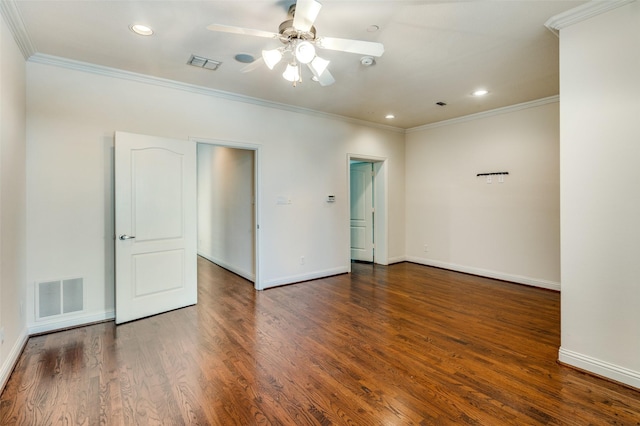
244,274
305,277
397,259
551,285
601,368
78,321
6,368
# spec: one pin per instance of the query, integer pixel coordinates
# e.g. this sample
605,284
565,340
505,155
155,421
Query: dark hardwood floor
398,345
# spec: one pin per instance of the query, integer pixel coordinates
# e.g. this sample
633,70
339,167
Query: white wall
226,209
12,201
72,116
504,230
600,157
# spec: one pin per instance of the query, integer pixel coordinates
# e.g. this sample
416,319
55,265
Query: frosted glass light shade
305,52
271,57
292,73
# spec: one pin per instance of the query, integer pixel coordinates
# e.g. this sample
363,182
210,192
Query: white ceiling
434,50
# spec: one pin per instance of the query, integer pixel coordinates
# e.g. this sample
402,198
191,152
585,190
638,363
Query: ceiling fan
300,39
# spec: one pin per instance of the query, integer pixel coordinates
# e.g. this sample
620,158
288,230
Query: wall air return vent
59,297
200,62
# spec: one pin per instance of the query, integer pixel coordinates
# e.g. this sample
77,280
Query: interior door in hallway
156,236
362,211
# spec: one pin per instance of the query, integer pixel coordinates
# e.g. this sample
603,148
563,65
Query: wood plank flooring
397,345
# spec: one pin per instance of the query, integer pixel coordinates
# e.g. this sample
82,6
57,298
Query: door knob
126,237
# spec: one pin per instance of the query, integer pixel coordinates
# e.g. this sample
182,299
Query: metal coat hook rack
492,173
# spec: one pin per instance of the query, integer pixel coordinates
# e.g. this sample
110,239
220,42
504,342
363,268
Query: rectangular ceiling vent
200,62
59,297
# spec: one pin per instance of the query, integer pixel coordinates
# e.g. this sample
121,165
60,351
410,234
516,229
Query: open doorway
367,183
227,206
362,211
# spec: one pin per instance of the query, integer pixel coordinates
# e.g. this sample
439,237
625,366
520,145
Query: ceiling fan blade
325,79
305,14
252,66
352,46
242,31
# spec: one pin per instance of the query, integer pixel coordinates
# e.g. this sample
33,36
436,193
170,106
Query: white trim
227,143
381,206
73,322
306,277
13,18
244,274
582,13
40,58
397,259
601,368
256,148
485,114
12,359
519,279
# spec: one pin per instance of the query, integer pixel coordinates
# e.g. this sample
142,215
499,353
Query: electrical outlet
302,260
426,248
489,180
1,335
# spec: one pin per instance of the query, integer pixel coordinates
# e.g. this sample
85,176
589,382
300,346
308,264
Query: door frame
380,204
256,184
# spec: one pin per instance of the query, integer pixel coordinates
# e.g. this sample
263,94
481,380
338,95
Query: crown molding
581,13
56,61
13,18
485,114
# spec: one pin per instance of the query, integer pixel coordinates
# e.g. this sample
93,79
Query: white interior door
361,211
156,240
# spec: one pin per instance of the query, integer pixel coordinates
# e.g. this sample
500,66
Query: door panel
155,225
157,272
361,211
157,193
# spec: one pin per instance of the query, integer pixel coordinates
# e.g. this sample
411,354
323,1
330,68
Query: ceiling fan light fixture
300,39
292,73
305,52
271,57
318,66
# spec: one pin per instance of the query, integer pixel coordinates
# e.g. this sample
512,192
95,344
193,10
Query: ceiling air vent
200,62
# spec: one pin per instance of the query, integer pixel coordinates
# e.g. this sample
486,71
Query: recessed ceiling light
372,28
480,92
141,29
389,116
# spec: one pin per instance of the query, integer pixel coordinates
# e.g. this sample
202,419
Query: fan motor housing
288,32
